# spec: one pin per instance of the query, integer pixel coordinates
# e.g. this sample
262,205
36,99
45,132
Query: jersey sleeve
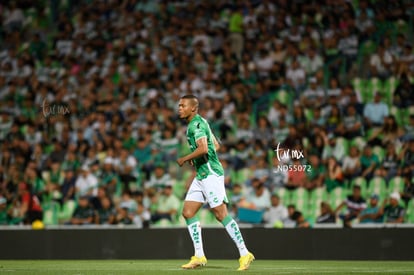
199,130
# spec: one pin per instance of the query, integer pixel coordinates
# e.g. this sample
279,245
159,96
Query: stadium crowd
312,102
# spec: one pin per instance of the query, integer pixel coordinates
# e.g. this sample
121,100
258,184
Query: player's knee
188,213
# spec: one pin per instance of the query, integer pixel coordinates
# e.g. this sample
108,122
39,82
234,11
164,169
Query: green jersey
208,164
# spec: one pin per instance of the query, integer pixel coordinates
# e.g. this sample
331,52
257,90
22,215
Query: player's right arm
201,150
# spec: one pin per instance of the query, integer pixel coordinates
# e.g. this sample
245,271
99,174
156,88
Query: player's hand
180,161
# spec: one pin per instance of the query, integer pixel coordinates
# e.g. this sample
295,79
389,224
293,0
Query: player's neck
189,118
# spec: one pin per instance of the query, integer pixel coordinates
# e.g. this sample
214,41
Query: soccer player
207,186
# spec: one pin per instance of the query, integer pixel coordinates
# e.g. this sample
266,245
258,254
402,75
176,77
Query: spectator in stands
166,206
240,154
14,19
382,63
408,191
296,177
261,170
263,131
300,221
365,25
124,216
281,132
375,112
388,167
258,197
142,154
244,131
317,118
276,213
274,114
296,77
352,124
54,180
314,95
106,214
369,163
299,119
403,95
348,47
334,176
84,213
316,142
334,120
289,222
67,188
159,179
315,176
371,214
407,159
391,209
327,215
127,202
332,148
125,166
351,166
236,32
409,130
142,215
354,203
107,177
312,61
405,61
36,182
30,208
355,102
390,132
86,183
4,217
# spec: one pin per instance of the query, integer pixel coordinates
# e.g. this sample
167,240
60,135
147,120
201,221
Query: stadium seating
337,196
248,86
378,186
361,182
65,213
51,213
379,151
396,184
409,216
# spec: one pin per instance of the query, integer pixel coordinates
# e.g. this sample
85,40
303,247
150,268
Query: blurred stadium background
89,132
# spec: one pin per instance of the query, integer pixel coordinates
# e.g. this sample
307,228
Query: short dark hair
189,97
192,98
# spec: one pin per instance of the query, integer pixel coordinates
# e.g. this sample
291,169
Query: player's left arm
216,144
201,150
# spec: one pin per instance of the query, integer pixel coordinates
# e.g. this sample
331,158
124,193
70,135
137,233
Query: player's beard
184,117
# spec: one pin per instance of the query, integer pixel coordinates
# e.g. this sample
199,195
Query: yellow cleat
245,261
195,262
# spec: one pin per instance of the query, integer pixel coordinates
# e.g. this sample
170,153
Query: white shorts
210,189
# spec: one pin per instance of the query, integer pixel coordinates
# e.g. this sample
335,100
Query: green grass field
156,267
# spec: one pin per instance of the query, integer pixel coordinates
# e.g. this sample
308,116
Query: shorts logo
215,200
